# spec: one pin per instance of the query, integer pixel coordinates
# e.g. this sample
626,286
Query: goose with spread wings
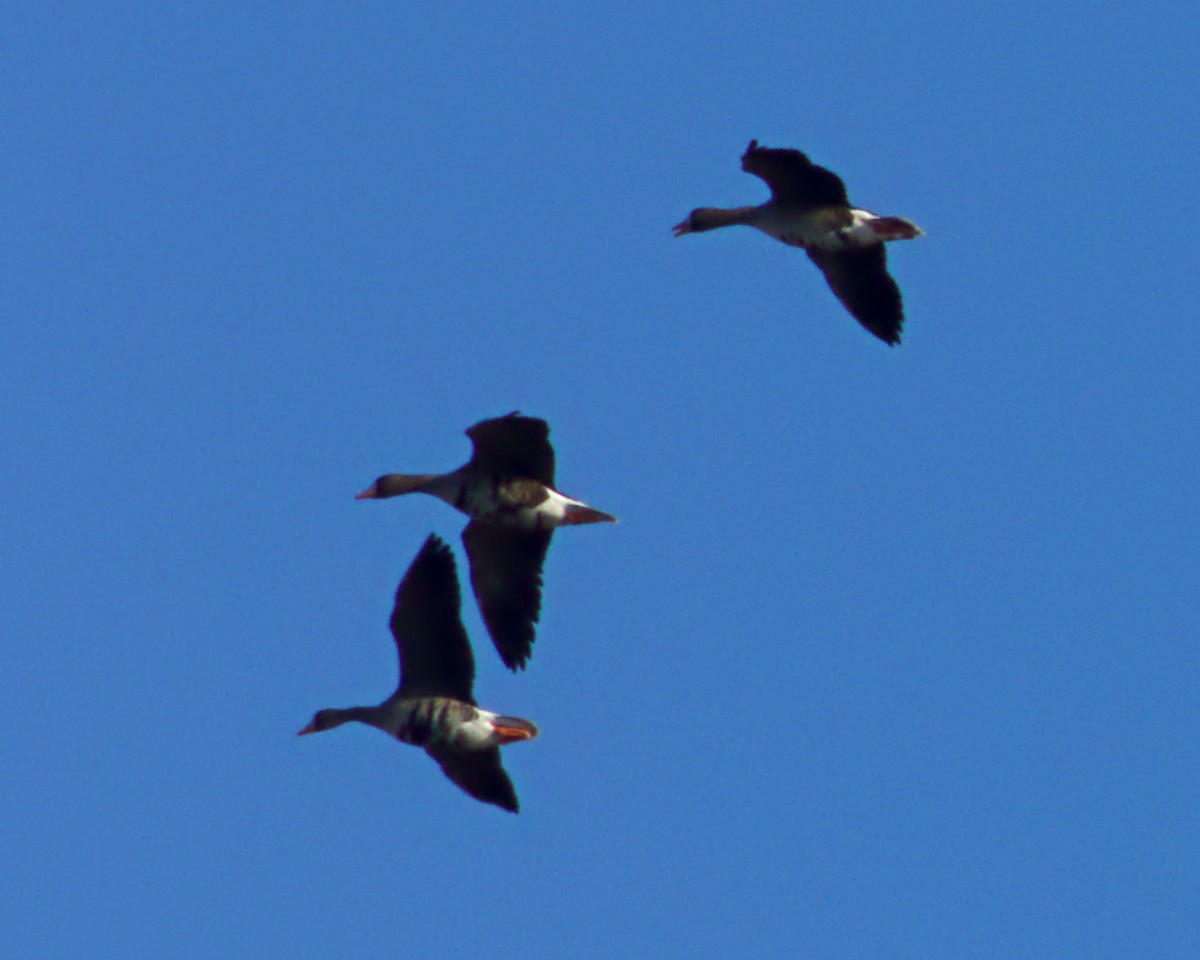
434,705
507,489
809,208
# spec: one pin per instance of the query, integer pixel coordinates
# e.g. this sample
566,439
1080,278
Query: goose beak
368,494
311,728
684,226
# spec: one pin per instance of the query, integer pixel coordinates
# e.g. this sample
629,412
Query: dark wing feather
514,446
480,773
506,574
793,178
860,279
435,655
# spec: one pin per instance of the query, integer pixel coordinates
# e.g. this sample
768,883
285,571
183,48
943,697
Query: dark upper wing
479,773
506,573
793,178
514,446
860,279
435,655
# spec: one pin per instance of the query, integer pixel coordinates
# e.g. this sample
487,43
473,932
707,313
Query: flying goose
507,489
809,209
433,707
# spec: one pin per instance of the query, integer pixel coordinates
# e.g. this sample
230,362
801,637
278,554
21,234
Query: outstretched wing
514,446
480,773
860,280
435,655
506,574
793,178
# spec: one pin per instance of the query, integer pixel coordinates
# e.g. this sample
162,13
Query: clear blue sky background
893,653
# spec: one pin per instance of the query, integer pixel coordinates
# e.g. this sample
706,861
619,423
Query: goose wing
480,773
859,278
435,655
793,178
514,446
506,574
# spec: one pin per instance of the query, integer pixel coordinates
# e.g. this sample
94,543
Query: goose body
831,228
809,209
434,705
507,489
517,502
437,723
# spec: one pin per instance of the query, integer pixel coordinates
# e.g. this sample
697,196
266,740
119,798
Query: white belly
486,506
551,512
440,722
815,231
475,734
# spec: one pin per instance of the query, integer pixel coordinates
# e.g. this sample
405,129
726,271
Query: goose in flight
507,489
809,209
434,707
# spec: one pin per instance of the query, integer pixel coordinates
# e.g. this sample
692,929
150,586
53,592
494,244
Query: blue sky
893,651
